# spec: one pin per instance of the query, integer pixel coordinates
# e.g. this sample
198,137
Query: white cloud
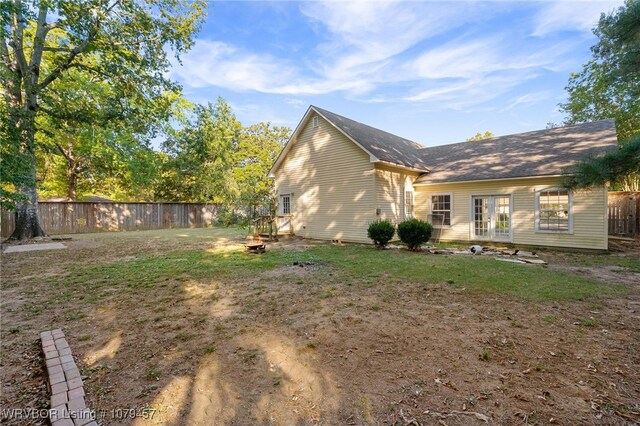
367,37
470,92
571,16
366,48
465,73
528,99
295,102
214,63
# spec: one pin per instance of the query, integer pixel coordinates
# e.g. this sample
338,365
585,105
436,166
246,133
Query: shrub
381,232
228,217
414,232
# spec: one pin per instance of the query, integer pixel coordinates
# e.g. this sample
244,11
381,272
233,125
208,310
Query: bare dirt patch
284,344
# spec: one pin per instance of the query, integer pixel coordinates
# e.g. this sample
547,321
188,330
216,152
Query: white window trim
450,194
315,122
537,211
281,207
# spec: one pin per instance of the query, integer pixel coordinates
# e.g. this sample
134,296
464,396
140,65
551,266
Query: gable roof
384,146
540,153
549,152
381,146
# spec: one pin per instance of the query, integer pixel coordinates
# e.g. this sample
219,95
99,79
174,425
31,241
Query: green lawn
353,265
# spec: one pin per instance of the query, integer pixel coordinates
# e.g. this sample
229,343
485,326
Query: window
408,204
553,210
315,122
285,203
441,209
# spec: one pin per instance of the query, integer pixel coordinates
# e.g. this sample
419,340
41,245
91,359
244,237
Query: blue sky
433,72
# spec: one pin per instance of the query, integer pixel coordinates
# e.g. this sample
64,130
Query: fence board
80,217
624,214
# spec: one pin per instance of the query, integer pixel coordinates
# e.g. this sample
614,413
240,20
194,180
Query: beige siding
391,184
331,181
589,212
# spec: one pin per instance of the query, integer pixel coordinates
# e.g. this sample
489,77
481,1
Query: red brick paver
68,407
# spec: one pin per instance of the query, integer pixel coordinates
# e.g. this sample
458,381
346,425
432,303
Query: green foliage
609,87
381,232
596,94
485,355
609,84
613,166
619,35
13,161
414,232
260,144
92,142
121,48
200,156
210,157
481,136
227,217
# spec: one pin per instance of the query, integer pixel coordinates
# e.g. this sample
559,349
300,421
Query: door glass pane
286,204
481,216
501,206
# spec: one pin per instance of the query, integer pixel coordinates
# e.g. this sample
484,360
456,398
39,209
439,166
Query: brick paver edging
67,391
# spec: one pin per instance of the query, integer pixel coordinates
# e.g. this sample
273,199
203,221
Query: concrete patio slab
34,247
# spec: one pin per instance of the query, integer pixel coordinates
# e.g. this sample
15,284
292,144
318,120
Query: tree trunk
27,218
72,180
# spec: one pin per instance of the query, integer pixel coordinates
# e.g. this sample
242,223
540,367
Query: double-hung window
553,210
441,209
408,204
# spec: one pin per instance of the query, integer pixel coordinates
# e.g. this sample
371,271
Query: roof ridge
418,145
523,133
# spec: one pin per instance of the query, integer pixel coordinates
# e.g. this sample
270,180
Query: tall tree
96,160
132,37
92,140
200,158
609,84
260,144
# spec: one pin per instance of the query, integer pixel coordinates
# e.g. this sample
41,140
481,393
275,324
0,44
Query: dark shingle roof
385,146
540,153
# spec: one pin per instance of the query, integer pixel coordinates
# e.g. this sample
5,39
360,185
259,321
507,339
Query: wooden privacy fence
78,217
624,214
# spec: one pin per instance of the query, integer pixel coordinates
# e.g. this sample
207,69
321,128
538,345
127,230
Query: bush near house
414,232
381,232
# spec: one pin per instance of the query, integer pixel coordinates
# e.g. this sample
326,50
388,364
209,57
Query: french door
491,217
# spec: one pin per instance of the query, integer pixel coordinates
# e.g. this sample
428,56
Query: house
335,176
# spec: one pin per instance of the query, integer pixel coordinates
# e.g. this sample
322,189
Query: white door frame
492,219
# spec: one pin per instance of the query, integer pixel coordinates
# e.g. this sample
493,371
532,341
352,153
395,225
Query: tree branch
4,51
17,28
62,151
56,49
88,68
38,41
137,42
68,61
73,53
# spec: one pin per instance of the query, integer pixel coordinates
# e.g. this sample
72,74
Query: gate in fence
624,214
